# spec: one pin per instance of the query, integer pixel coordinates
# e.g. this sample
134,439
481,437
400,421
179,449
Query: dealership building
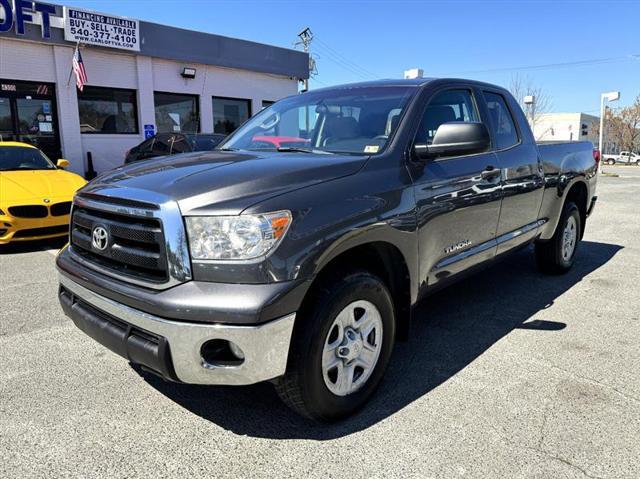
566,127
142,78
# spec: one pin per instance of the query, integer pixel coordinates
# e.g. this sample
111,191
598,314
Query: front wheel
556,256
342,342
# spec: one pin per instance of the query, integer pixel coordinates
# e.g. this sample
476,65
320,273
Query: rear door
522,174
458,197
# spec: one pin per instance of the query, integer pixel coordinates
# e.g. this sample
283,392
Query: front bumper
171,348
31,229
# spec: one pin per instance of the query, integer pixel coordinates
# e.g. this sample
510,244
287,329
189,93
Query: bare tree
623,127
522,86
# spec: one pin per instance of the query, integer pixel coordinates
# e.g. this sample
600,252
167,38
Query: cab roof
410,82
416,82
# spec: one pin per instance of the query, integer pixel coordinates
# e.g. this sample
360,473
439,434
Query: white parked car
625,157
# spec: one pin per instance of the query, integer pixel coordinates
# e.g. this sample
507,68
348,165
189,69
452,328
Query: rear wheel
341,346
556,256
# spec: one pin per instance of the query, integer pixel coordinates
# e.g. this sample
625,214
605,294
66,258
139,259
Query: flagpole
74,53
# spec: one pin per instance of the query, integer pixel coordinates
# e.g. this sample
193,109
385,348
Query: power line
325,55
328,48
315,79
551,66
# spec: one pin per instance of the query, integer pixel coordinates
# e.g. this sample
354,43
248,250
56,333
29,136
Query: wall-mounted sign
79,25
93,28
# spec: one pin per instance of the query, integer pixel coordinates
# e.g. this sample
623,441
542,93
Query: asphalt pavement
508,374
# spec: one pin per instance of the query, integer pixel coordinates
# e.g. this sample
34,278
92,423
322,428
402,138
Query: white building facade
566,127
134,89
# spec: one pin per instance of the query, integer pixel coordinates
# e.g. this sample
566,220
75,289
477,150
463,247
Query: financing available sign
93,28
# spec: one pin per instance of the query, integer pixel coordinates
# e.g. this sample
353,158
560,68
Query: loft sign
79,25
19,12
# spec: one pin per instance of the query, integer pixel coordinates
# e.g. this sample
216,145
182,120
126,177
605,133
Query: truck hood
220,182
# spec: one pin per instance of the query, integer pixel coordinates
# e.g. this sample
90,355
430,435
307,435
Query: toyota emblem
100,238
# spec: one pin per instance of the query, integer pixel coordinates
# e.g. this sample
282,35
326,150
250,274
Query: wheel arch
576,191
381,258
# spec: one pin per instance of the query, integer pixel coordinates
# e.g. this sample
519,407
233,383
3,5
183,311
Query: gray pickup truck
296,252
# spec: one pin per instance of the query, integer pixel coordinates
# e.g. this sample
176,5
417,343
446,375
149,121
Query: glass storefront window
107,110
176,113
229,114
6,124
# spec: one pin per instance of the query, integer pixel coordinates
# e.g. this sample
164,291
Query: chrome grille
135,244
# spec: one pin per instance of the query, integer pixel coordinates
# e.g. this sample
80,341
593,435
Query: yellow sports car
35,194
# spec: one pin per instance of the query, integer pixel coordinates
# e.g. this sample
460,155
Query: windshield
23,158
356,120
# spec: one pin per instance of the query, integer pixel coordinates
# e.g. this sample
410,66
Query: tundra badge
457,247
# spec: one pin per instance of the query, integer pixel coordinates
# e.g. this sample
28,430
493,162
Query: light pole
610,96
531,101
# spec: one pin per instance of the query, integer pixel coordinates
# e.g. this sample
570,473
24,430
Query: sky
572,50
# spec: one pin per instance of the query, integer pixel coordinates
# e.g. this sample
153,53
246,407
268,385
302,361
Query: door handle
490,172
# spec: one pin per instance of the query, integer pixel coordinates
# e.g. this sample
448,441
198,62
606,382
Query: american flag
78,69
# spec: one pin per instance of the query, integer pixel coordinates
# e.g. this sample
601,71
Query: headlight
240,237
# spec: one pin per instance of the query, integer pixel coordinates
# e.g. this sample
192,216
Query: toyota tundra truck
302,264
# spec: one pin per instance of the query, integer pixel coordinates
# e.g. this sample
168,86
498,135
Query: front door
28,114
458,198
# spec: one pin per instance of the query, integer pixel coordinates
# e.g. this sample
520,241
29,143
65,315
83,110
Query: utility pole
306,37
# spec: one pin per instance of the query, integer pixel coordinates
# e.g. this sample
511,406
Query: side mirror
456,138
61,163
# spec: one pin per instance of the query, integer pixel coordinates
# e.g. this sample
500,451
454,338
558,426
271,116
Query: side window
503,124
446,106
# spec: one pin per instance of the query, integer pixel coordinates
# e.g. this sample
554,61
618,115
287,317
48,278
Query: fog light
218,353
235,349
2,232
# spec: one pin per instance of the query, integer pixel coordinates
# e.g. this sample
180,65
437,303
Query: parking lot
508,374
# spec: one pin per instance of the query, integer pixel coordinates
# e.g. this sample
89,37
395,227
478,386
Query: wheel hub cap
352,348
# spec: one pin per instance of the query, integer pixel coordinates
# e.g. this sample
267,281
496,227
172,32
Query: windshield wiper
294,149
228,148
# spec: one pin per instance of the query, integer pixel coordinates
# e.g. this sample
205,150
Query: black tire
303,386
549,254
